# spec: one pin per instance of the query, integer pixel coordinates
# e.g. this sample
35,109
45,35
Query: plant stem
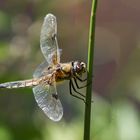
90,69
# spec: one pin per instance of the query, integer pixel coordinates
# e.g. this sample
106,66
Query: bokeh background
116,86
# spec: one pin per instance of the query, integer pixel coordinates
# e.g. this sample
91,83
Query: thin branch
90,69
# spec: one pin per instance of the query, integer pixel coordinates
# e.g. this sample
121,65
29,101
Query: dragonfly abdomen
19,84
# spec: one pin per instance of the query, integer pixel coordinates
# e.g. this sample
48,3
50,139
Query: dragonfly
50,72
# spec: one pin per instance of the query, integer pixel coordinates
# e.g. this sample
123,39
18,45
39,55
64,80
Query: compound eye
78,66
82,64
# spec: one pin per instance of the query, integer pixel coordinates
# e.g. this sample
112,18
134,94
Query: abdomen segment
19,84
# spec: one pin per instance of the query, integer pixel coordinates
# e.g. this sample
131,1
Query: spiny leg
81,80
75,80
72,86
76,90
82,86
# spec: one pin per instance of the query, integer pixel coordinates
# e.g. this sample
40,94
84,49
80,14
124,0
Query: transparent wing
46,96
48,101
48,40
41,70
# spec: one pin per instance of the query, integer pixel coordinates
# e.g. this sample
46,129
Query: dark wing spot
55,96
53,37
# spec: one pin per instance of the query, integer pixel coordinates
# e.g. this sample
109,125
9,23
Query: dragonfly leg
81,80
72,87
75,80
81,86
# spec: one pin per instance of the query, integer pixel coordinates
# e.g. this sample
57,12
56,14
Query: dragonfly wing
47,100
40,70
48,40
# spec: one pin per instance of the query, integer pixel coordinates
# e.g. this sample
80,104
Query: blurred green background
116,87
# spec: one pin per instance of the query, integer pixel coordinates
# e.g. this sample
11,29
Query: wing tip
49,15
56,119
3,86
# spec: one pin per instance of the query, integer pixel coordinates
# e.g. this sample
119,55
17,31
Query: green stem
90,69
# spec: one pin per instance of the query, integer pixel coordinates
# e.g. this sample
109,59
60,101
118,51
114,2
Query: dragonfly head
79,67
